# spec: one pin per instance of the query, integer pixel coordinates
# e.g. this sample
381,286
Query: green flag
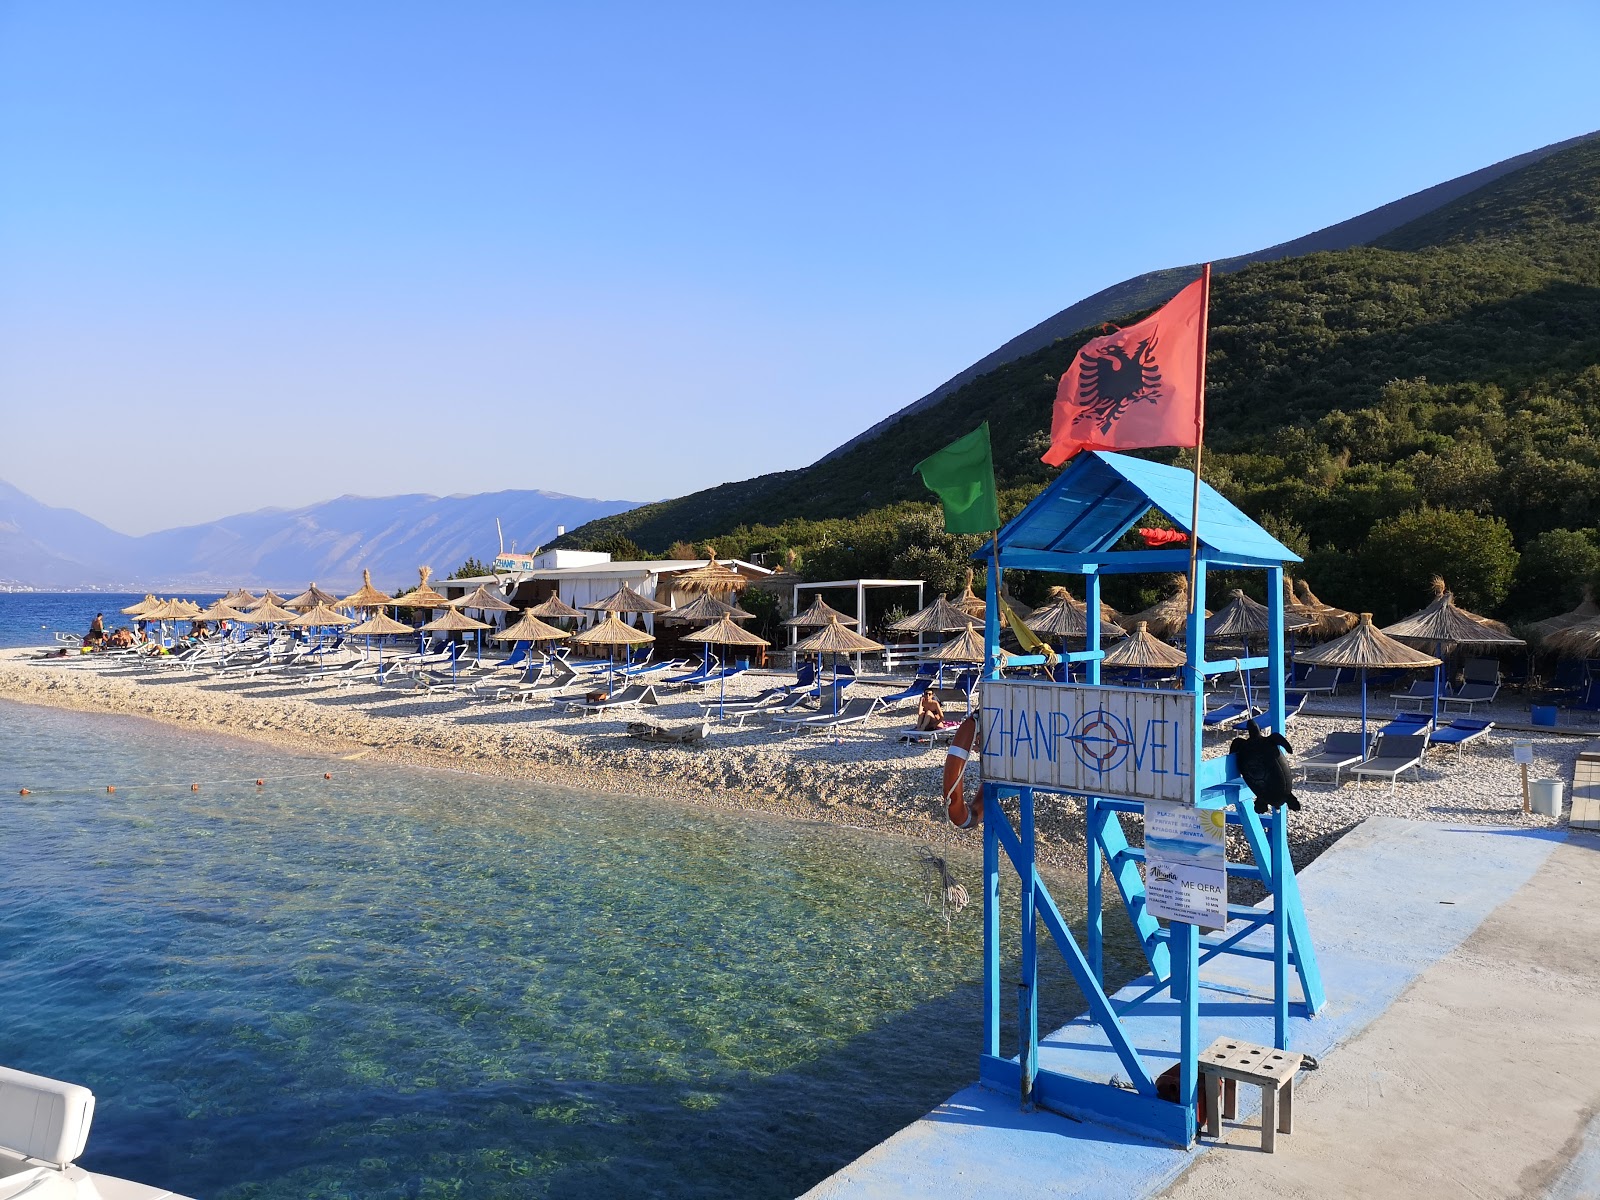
963,476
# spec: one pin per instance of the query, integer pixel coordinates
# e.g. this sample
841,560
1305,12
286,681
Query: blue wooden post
1094,898
1091,597
1028,984
992,816
1184,939
1280,911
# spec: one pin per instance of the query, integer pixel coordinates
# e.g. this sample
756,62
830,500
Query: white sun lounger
1396,752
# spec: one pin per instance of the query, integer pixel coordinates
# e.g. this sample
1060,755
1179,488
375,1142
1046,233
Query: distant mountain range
329,543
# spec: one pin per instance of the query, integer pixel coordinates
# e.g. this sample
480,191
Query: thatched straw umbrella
1587,610
422,596
220,610
267,597
379,625
555,609
367,598
968,647
1331,621
626,600
1364,648
1144,652
532,630
320,616
310,598
969,602
485,601
612,633
1169,617
724,633
455,621
238,598
138,610
1242,616
939,617
817,615
1442,624
833,638
713,579
704,609
1578,640
267,613
1065,616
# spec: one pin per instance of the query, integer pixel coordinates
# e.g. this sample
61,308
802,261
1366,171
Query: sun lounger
1470,695
793,713
853,713
1459,732
629,697
931,737
1419,693
926,675
1407,724
1339,750
1233,713
1322,680
1394,753
1482,670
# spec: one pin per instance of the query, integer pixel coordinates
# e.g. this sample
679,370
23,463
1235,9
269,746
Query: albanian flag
1139,386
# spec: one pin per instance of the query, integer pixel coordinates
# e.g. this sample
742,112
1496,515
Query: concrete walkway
1482,1079
1395,909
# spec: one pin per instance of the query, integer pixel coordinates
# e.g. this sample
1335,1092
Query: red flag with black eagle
1139,386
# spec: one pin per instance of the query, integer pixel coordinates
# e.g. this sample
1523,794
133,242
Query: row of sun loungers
1398,747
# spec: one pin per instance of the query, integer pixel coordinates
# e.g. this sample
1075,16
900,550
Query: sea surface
406,983
34,618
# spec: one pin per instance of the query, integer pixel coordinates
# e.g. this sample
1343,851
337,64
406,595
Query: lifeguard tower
1120,750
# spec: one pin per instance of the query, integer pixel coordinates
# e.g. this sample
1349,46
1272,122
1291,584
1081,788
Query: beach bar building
1133,751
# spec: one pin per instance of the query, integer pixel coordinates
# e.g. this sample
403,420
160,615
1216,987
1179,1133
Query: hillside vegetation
1426,403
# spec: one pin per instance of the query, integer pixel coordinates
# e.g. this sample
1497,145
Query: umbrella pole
1363,712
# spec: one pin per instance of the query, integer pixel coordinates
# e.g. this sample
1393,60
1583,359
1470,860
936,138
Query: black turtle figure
1263,769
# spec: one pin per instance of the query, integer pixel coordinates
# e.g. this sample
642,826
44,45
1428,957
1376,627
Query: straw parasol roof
320,615
1242,616
187,608
169,610
267,597
706,608
454,621
423,595
238,598
969,602
1168,617
626,600
1366,646
555,608
726,633
939,617
1067,616
483,600
1586,610
267,613
220,611
1442,623
1331,621
713,578
834,638
139,609
818,614
612,632
530,629
368,597
1142,649
380,624
1017,606
968,647
310,598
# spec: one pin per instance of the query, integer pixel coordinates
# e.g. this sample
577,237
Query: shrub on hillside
1475,556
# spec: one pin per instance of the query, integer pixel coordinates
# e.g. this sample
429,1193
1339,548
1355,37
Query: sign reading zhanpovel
1097,741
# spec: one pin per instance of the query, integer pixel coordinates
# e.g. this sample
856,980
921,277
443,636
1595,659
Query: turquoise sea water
33,618
405,983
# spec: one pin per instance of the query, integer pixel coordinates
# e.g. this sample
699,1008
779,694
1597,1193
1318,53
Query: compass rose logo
1101,740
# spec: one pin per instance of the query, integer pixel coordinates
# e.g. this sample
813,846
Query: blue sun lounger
1407,724
1459,732
1228,715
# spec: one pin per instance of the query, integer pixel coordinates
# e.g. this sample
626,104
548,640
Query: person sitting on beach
930,713
97,629
120,640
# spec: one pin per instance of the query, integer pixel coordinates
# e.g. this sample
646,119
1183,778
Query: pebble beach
863,776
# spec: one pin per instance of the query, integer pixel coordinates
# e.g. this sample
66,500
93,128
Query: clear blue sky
263,254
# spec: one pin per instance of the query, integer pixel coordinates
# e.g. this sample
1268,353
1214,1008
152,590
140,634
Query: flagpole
1199,428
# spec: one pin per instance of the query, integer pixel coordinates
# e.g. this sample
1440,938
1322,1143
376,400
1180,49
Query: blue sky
264,254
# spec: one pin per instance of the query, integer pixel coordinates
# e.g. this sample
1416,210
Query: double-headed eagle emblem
1108,382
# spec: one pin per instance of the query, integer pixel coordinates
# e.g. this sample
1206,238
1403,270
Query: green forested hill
1425,403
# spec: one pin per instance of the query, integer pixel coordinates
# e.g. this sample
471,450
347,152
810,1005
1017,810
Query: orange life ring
962,815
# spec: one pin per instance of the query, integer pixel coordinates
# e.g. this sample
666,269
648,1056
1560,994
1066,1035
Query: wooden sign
1129,743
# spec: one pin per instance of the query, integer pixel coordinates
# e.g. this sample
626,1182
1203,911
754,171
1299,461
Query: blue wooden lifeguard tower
1115,750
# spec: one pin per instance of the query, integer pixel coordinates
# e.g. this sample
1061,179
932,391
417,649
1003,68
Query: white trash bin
1544,797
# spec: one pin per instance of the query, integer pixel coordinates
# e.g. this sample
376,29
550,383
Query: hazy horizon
262,257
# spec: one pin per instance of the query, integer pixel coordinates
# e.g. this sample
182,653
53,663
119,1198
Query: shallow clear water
34,618
407,983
